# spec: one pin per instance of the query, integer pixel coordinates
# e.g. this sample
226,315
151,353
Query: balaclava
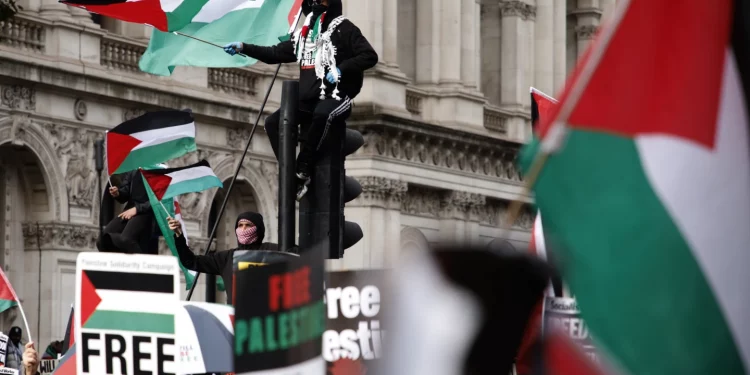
250,237
318,8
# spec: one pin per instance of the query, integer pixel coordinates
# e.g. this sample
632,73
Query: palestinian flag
67,364
126,301
171,182
150,139
165,15
8,297
220,22
648,196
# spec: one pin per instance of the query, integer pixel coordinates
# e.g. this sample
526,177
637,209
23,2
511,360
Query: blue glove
233,48
330,78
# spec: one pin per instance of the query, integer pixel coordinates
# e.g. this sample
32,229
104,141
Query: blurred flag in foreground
648,196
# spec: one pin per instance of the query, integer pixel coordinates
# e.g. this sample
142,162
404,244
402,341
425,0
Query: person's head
57,345
15,334
249,228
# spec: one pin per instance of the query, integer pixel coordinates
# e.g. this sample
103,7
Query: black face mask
318,8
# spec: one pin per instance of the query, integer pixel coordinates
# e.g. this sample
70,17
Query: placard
3,347
353,340
48,366
280,317
125,314
562,315
8,371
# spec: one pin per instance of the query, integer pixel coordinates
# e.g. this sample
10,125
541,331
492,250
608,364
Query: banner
47,366
125,310
8,371
562,315
280,317
353,340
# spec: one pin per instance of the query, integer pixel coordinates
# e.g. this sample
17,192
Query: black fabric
127,236
534,113
354,55
154,120
741,44
220,262
133,193
327,115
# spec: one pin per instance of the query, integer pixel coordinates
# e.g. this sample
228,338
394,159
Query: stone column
390,32
491,73
455,219
428,41
450,42
368,16
544,51
469,46
52,9
377,211
82,16
559,49
587,22
515,62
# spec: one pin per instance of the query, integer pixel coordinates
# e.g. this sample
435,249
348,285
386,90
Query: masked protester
126,232
333,55
250,231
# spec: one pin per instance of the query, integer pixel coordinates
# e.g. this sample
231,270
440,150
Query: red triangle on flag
118,149
89,298
293,12
158,183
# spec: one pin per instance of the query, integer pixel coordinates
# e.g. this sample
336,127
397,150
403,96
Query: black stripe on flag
202,163
154,120
741,45
131,282
534,112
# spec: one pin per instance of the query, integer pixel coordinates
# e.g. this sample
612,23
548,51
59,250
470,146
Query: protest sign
280,317
353,340
562,315
125,314
47,366
8,371
3,347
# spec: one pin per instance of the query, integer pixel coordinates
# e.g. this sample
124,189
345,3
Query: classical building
443,115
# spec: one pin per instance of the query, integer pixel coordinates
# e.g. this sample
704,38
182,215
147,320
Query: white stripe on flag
167,5
190,174
187,130
148,302
215,9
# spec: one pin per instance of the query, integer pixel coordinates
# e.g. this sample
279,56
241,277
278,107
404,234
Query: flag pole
205,41
25,322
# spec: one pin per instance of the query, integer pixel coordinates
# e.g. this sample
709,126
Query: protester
332,58
14,351
127,231
53,350
250,231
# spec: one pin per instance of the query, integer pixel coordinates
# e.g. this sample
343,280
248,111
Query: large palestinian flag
258,22
171,182
150,139
125,301
165,15
648,196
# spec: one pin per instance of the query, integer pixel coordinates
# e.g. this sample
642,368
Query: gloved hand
233,48
330,78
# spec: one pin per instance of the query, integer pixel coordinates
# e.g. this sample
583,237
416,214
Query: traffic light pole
287,152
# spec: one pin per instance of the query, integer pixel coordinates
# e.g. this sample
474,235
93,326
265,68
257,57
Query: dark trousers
316,126
125,236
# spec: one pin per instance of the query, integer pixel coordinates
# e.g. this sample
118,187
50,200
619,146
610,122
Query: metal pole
236,172
288,148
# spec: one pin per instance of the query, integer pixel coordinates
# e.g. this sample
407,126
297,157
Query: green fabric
148,156
131,321
260,26
5,304
641,290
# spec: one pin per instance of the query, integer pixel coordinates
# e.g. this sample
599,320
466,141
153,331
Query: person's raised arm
278,54
211,263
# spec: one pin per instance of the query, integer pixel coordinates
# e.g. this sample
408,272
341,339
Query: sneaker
303,180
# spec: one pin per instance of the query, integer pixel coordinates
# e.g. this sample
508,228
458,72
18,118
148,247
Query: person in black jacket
333,55
250,230
127,231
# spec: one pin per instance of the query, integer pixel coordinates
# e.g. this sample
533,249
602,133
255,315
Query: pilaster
544,50
516,55
587,15
54,10
560,20
469,43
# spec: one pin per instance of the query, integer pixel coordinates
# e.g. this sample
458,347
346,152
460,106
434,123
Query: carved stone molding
18,97
516,8
457,204
80,110
586,32
57,236
19,124
129,114
459,154
381,191
422,201
75,150
494,212
237,137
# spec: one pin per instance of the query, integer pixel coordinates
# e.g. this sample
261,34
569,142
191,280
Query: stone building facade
443,115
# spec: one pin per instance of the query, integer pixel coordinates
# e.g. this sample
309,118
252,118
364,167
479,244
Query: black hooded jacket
133,193
222,263
354,55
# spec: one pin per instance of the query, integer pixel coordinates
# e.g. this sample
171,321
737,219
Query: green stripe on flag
5,304
191,186
156,154
260,26
131,321
184,13
631,267
161,219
